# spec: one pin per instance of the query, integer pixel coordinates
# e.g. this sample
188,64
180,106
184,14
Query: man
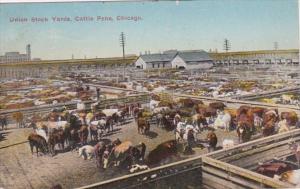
98,93
2,121
190,140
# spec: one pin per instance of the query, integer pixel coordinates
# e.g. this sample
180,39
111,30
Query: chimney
28,52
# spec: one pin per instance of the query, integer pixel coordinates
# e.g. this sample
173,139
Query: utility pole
122,44
227,48
276,45
227,45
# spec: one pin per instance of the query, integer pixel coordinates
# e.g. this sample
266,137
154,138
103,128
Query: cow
38,142
244,132
99,149
270,117
57,136
124,154
137,168
200,121
291,117
223,121
162,152
86,152
143,125
83,133
292,177
212,140
217,105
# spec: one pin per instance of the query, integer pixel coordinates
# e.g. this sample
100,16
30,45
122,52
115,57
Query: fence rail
206,171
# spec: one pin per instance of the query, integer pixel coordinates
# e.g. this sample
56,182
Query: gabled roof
194,56
158,57
168,56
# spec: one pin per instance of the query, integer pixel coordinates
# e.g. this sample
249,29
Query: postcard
149,94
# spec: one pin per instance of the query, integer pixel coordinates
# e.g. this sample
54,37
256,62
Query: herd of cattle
80,129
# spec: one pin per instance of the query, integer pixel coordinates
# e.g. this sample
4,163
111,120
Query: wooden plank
232,178
244,173
260,150
216,182
252,160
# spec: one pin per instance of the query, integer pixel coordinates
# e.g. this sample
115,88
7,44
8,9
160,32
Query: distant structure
14,57
226,45
192,59
275,45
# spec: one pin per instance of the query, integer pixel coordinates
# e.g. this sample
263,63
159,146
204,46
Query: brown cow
38,142
212,139
291,117
269,119
143,125
162,152
206,111
83,134
57,136
217,105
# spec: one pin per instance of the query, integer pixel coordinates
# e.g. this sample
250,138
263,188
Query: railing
241,102
267,93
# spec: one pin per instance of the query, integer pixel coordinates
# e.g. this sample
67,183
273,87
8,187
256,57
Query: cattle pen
43,109
227,168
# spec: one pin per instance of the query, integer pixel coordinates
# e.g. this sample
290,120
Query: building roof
158,57
194,56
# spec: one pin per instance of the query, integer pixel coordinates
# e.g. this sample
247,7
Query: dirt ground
19,169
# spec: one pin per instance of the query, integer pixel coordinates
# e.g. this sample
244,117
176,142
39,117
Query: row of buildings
199,59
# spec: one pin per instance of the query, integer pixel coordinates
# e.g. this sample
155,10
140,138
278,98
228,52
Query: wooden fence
220,169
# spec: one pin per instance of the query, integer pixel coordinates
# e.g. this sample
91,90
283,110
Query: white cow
137,167
110,112
160,109
223,121
86,152
80,106
42,133
227,143
153,104
292,177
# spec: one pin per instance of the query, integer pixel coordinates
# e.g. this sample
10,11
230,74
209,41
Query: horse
38,142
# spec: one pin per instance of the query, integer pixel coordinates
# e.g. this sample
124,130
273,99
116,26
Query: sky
164,25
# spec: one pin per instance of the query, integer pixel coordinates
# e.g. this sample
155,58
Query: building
13,57
154,61
197,59
192,60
